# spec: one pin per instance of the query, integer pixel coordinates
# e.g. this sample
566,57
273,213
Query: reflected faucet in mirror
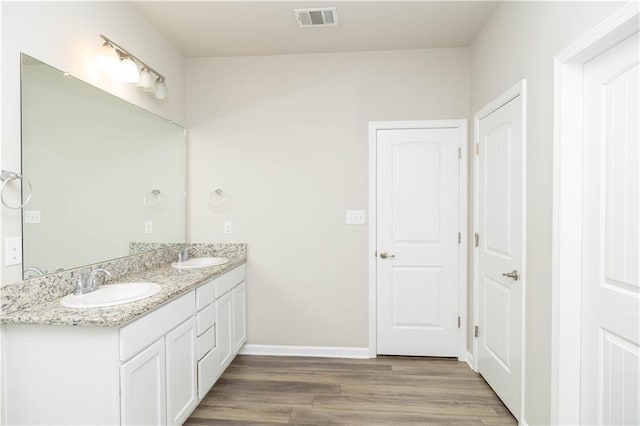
32,272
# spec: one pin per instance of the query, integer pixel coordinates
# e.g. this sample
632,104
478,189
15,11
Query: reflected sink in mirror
111,295
200,262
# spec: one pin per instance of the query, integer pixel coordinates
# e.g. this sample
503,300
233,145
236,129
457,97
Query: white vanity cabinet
239,316
153,370
231,316
222,325
159,383
142,387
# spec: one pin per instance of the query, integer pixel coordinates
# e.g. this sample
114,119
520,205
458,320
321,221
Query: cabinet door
224,330
142,384
239,316
181,371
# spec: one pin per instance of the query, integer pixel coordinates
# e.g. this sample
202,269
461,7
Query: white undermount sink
110,295
200,262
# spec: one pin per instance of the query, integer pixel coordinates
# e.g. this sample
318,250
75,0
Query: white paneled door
499,248
417,241
610,361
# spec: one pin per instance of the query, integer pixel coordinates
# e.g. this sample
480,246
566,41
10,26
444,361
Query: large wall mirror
105,173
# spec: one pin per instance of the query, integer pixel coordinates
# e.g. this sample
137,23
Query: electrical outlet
148,227
13,248
227,228
355,217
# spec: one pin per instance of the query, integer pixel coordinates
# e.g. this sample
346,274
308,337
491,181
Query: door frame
374,126
566,280
519,89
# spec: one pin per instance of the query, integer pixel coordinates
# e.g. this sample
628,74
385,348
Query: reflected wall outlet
148,227
227,228
13,248
355,217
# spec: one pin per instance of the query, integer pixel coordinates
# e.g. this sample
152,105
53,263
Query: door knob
385,255
513,274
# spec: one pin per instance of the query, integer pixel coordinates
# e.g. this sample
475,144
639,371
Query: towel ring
152,198
216,198
6,177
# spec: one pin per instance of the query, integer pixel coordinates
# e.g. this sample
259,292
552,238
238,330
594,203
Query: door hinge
477,149
458,322
459,152
476,238
475,331
459,237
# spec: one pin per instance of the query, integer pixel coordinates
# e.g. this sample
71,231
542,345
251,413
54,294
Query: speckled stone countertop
174,283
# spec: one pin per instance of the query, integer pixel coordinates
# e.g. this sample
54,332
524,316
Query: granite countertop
174,283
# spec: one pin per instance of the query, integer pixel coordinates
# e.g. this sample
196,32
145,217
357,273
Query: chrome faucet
88,282
183,255
36,272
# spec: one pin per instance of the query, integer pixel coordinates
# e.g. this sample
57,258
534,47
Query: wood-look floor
261,390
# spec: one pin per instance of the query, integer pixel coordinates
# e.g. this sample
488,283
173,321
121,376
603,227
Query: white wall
66,36
286,138
520,41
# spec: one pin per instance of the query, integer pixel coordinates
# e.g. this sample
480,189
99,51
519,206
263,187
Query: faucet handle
81,284
183,255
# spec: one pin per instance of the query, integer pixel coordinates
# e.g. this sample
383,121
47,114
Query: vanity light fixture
161,89
128,70
147,82
131,69
108,59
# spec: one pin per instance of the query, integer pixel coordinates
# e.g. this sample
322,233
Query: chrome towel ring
216,198
152,198
6,177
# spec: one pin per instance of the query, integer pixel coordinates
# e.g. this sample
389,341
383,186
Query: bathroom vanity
147,362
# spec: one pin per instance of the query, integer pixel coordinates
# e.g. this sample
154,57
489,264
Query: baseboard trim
306,351
470,361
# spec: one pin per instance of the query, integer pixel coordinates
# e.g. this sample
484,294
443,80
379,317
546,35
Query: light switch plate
356,217
228,229
13,248
32,216
148,227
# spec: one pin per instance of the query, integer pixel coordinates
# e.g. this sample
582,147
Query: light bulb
107,58
162,91
146,83
129,70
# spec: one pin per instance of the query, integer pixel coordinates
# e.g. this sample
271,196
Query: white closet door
417,241
610,361
500,250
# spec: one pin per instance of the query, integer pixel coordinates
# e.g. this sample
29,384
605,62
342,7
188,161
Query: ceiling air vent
320,17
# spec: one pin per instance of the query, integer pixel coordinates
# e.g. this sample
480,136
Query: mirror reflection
105,173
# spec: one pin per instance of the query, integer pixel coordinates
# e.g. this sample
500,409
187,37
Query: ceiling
240,28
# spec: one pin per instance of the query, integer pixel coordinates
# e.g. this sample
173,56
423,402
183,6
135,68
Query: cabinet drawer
206,341
205,294
206,318
229,280
141,333
207,373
